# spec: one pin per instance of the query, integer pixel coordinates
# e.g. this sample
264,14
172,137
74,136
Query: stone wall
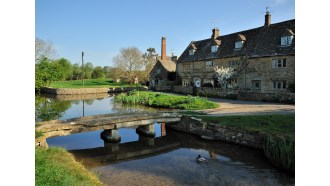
163,88
72,91
278,97
267,97
209,131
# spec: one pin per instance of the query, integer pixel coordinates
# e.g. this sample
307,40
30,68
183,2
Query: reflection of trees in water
89,101
49,109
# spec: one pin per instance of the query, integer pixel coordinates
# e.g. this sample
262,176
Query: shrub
281,152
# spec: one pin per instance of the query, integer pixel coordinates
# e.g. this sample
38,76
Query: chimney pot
215,33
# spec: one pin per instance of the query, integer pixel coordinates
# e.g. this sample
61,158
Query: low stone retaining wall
73,91
209,131
281,97
267,97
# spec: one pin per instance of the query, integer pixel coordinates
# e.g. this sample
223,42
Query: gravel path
239,107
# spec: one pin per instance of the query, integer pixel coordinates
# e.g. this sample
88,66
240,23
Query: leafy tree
98,73
43,49
63,69
88,70
115,73
129,61
106,71
76,72
43,75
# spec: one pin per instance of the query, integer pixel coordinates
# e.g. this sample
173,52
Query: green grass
55,166
283,125
279,143
161,100
89,83
281,152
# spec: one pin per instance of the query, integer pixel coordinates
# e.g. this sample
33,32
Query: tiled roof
261,41
168,65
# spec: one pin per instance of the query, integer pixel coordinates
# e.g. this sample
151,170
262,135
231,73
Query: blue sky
101,28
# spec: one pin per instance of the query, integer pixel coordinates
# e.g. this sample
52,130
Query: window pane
283,40
273,63
284,84
279,85
274,84
279,63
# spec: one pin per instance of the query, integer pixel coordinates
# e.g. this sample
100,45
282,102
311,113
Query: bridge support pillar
146,130
147,140
111,135
113,147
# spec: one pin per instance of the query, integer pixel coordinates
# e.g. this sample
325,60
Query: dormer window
286,40
238,45
240,39
287,37
192,49
191,52
214,48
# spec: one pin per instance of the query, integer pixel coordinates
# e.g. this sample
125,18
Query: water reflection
61,107
171,158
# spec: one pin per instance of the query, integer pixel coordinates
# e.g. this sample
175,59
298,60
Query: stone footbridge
110,123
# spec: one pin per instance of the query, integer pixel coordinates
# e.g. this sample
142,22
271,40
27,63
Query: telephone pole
82,60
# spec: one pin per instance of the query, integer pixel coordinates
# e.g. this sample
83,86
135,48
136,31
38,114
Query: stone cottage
263,58
164,71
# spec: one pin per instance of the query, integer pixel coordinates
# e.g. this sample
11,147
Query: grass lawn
283,125
89,83
55,166
162,100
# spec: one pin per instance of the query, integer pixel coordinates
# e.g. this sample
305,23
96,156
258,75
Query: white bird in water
200,159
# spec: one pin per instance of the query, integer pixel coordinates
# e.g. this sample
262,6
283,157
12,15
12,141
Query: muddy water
167,159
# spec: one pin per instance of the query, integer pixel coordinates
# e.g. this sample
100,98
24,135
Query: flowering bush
224,75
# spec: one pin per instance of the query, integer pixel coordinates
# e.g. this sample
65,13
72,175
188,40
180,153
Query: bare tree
43,49
129,61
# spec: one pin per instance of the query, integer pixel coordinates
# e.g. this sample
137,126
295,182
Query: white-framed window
238,44
209,64
214,48
185,82
191,52
158,71
286,40
279,85
279,63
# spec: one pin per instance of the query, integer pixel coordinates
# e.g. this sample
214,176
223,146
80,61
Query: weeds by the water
165,100
281,152
55,166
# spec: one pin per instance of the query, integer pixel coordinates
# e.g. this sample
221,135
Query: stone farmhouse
164,71
263,58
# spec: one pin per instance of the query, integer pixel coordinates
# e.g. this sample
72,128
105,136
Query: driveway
238,107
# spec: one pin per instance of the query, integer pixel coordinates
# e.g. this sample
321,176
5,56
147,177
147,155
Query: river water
167,159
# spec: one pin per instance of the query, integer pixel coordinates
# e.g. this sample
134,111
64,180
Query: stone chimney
215,33
163,56
267,19
174,58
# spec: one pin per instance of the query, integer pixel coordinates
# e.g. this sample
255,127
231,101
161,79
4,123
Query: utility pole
82,60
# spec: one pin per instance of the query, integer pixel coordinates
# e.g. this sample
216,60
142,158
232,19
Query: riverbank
76,91
162,100
55,166
274,134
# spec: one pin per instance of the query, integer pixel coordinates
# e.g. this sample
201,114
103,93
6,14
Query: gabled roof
168,65
240,37
192,46
261,41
